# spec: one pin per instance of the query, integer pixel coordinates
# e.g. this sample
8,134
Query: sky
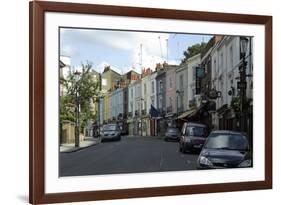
124,50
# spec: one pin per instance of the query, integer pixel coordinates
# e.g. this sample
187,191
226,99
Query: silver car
110,132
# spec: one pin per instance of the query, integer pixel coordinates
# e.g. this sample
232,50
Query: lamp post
243,82
77,101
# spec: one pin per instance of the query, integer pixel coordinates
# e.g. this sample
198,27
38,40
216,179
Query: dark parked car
225,149
193,136
110,132
172,133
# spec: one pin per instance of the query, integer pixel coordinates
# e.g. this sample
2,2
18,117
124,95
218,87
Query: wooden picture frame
37,98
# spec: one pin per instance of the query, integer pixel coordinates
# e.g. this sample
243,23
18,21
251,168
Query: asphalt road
130,155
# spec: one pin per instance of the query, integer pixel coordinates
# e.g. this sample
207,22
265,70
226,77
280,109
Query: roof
62,64
195,124
66,60
107,69
132,71
182,67
161,73
194,57
94,71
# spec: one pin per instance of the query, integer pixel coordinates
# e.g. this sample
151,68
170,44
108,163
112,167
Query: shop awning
169,115
186,113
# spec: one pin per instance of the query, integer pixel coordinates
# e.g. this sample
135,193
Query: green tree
193,50
87,88
67,109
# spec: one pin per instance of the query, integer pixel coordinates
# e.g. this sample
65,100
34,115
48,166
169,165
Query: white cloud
118,40
101,66
148,60
154,45
68,50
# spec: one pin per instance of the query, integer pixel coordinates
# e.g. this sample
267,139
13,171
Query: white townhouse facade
182,88
134,107
138,107
131,108
225,74
109,116
153,102
225,58
64,70
145,94
131,102
137,99
192,63
153,94
145,104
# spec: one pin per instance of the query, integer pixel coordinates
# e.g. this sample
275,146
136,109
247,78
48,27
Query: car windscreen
195,131
227,141
172,130
109,127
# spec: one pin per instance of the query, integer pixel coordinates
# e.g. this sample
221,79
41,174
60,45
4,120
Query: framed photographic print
138,102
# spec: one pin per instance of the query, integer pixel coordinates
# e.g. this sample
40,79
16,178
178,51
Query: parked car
110,132
193,136
172,133
225,149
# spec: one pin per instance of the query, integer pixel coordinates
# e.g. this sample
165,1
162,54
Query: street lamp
77,99
243,82
243,46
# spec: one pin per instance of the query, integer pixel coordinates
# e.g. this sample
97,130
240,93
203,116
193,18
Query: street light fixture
77,100
243,46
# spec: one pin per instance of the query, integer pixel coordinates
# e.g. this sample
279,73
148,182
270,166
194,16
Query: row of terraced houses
204,88
168,95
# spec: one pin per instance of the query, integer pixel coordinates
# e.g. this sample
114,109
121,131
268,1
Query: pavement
88,141
132,154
